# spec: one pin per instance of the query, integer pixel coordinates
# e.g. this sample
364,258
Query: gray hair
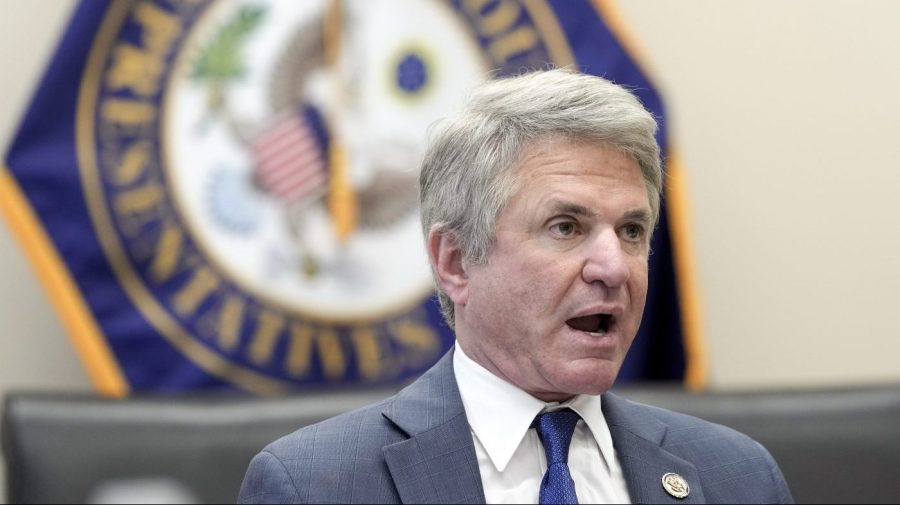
469,170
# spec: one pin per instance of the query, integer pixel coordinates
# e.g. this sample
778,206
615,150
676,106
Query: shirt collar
590,408
484,395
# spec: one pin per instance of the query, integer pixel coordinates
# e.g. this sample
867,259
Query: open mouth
597,324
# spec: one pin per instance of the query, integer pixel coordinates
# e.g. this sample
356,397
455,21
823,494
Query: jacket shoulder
675,428
730,463
338,460
338,435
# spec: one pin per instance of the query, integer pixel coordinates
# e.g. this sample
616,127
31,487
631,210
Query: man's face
559,301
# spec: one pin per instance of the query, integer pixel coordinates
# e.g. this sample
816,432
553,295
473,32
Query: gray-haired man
538,202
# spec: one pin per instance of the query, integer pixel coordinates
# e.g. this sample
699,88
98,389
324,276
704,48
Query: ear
447,261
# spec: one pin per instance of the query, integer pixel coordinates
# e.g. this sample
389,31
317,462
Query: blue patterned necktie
555,430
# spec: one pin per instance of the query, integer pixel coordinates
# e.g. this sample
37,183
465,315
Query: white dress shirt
511,458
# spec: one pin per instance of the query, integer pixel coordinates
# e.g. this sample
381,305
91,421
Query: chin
595,380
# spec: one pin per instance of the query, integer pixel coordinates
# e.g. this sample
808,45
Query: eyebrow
564,207
637,215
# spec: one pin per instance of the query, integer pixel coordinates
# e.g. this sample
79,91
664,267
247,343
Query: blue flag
222,195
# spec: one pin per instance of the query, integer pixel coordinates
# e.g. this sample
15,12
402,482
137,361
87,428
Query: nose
605,260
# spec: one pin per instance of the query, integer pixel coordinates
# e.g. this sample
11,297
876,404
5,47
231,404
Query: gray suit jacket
416,447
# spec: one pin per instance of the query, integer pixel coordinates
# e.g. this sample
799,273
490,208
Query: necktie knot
555,431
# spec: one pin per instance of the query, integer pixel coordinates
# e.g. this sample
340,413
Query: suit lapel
638,442
437,463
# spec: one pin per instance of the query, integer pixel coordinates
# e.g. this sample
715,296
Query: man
538,202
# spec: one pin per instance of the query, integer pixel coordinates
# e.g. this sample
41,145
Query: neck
476,354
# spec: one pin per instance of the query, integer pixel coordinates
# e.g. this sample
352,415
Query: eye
633,232
565,229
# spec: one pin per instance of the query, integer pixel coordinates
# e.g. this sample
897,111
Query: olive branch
221,61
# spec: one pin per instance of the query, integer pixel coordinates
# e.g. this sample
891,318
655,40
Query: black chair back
836,446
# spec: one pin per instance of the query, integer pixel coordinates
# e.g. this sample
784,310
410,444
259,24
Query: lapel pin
676,486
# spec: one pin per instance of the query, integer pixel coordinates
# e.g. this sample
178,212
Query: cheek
637,289
522,289
541,287
639,285
495,297
513,274
515,302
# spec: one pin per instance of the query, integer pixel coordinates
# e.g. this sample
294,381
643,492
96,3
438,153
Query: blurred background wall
786,116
